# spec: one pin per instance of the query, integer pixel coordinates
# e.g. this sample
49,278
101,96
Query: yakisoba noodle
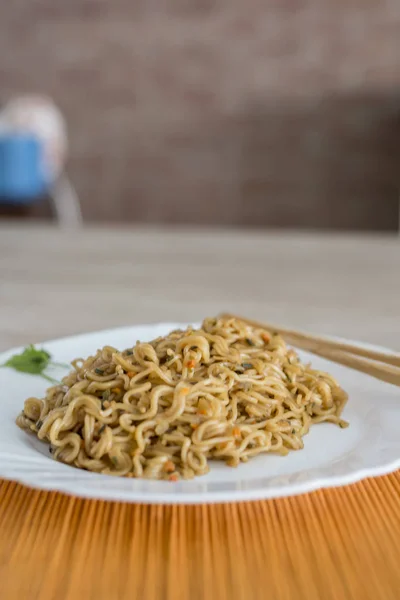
163,409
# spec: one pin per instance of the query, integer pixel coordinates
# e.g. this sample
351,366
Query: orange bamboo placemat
332,544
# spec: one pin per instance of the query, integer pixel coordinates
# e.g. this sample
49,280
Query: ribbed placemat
332,544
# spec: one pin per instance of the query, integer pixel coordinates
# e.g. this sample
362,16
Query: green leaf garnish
33,361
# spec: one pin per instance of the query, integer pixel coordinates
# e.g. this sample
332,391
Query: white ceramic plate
331,456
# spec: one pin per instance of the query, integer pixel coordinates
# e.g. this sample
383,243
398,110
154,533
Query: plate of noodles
171,413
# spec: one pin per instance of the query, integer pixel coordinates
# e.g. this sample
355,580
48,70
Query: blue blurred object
22,177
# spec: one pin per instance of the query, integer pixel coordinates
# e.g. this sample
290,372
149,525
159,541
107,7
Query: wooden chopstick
381,365
316,341
381,371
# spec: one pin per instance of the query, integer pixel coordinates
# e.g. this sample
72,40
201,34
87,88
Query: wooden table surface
330,544
56,283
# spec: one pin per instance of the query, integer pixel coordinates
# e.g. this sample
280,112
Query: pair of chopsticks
381,365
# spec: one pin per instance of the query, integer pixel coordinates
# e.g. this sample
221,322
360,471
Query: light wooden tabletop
55,283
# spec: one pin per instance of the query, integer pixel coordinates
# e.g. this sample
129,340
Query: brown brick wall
274,112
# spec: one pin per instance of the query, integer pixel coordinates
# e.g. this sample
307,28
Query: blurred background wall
243,112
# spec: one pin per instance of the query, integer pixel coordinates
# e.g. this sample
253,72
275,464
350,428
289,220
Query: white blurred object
39,116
